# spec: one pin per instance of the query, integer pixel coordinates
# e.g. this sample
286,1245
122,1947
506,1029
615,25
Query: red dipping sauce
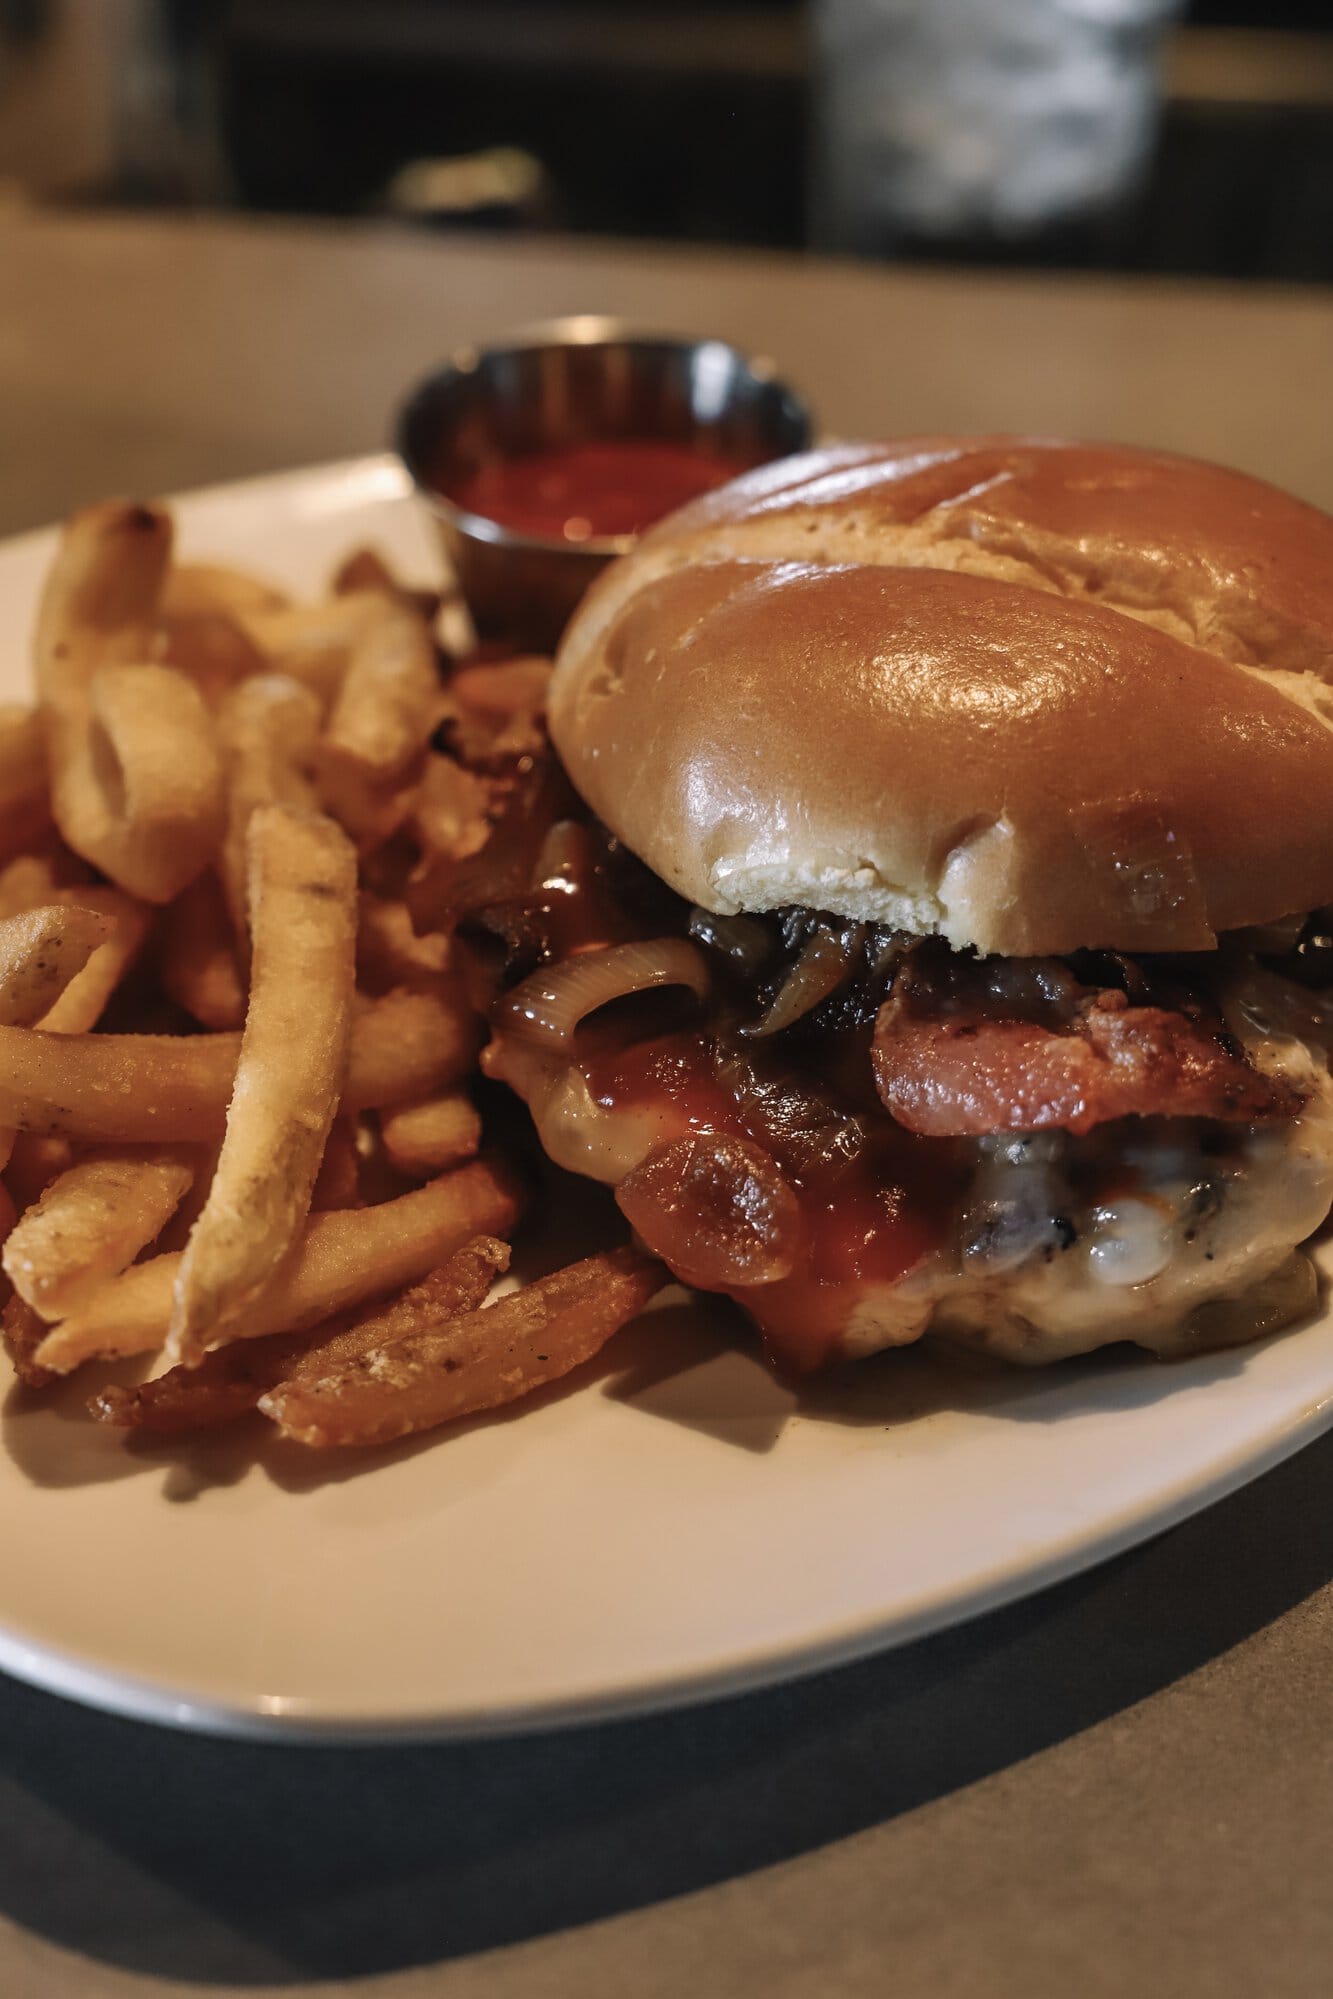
591,491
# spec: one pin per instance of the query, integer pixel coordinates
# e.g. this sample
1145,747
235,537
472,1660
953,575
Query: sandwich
929,922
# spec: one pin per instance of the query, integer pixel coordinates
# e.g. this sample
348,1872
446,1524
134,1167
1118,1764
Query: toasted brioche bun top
1028,695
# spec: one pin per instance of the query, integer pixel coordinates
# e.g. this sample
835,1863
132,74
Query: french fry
221,1193
97,608
207,589
49,969
212,650
99,601
462,1365
81,1005
455,1286
270,726
25,797
23,1331
424,1138
408,1034
229,1382
450,816
389,952
372,813
140,789
40,952
289,1077
342,1259
386,707
169,1088
89,1225
313,642
366,569
197,959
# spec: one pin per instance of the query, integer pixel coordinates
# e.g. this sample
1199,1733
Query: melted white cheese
1152,1270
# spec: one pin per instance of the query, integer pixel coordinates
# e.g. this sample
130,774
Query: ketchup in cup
541,457
593,490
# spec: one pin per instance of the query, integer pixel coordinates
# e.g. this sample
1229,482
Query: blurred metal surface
572,380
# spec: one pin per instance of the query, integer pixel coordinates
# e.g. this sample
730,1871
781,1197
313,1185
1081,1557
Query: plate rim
52,1669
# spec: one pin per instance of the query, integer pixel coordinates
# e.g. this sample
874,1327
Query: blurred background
1131,134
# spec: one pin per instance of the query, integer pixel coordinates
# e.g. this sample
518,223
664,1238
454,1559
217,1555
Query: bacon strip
962,1074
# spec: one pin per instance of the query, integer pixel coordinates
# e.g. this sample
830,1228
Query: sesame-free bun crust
1031,696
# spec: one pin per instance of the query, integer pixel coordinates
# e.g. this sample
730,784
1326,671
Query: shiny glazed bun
1032,696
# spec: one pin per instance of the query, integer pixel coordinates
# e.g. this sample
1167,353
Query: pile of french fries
236,1135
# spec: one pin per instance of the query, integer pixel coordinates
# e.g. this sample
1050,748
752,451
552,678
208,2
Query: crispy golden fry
23,1331
97,609
165,1088
479,1361
197,957
100,599
387,704
230,1381
90,1224
424,1138
290,1075
214,651
341,1260
25,796
44,955
389,952
366,569
372,813
206,589
81,1005
457,1285
40,952
140,789
450,816
407,1034
270,727
313,642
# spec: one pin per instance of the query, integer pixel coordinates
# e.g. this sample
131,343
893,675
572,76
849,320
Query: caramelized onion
744,939
716,1209
547,1008
827,957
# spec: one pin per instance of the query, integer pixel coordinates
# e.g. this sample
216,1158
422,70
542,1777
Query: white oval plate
672,1526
